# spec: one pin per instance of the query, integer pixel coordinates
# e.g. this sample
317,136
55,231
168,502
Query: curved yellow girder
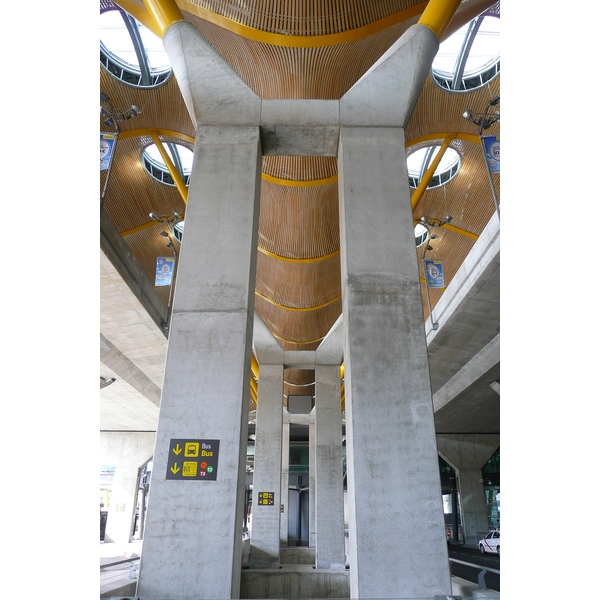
296,183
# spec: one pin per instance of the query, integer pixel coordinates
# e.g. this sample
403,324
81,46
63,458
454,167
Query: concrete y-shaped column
264,542
193,537
467,454
329,501
285,479
397,546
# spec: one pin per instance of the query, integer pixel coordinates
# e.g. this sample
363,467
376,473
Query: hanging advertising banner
434,273
164,270
107,147
492,152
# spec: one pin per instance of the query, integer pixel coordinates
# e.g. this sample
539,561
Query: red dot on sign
202,473
203,465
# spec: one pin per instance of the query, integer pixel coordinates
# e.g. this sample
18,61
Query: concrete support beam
397,546
481,363
264,543
467,454
329,503
194,527
386,94
127,451
312,481
285,479
128,267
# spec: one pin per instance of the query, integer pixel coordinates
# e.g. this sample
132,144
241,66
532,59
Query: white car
491,542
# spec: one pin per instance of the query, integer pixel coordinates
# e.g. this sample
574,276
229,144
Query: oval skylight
178,231
418,162
155,165
131,52
469,58
421,234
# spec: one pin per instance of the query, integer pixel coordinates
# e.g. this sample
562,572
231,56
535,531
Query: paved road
472,555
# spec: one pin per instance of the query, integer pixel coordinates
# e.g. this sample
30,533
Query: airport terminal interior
299,299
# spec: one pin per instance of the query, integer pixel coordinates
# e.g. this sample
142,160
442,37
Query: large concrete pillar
312,482
285,480
467,454
193,539
127,452
397,546
329,501
266,494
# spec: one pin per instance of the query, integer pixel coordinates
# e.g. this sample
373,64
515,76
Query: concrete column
264,543
127,452
312,487
397,543
285,480
467,454
329,502
193,540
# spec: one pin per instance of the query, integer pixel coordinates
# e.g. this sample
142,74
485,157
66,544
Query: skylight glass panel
115,36
486,46
157,57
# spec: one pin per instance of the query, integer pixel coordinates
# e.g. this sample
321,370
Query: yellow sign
190,469
192,449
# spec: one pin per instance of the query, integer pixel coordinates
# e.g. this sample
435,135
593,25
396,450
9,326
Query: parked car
491,542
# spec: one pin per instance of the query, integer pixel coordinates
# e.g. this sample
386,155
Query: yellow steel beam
254,367
301,41
464,232
468,234
139,228
416,197
293,183
295,309
138,10
165,13
124,135
179,184
438,14
299,260
254,390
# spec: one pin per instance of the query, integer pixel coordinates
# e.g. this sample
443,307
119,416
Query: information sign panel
192,460
266,498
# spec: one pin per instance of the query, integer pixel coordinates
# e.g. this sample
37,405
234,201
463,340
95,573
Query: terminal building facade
300,275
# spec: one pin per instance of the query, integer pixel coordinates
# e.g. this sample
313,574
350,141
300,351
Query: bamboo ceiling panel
293,329
281,72
304,17
298,285
300,168
299,222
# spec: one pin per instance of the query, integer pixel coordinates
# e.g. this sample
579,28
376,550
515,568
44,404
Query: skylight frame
439,178
144,77
458,82
159,171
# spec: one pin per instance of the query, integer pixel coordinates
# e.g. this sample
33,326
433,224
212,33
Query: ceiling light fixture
106,381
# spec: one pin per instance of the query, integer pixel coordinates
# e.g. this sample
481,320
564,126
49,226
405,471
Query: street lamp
165,324
485,121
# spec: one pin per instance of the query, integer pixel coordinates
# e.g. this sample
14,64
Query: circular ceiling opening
180,155
418,162
421,235
469,58
130,52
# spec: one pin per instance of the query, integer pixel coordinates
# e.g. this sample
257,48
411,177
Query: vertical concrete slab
193,539
397,546
285,479
329,501
127,451
312,487
468,454
264,543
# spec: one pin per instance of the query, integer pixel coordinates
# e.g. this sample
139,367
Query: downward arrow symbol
177,449
175,469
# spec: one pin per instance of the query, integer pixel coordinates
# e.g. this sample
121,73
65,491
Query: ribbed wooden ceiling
299,299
